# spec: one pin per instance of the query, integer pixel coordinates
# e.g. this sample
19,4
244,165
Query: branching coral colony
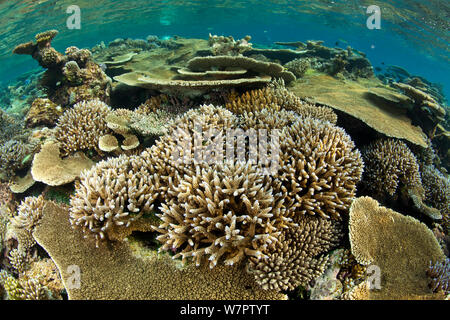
247,181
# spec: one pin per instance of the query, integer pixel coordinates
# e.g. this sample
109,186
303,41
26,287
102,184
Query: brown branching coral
389,163
278,98
14,156
437,192
227,211
318,175
439,276
298,256
111,197
392,170
80,127
29,212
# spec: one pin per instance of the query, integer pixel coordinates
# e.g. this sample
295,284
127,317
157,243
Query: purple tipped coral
439,274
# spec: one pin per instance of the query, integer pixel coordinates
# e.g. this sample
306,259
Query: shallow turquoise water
413,34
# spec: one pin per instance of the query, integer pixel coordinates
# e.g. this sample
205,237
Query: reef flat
211,169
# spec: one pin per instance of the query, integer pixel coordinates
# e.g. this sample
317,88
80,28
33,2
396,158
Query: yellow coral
401,246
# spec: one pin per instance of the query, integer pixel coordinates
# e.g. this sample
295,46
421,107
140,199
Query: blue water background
404,40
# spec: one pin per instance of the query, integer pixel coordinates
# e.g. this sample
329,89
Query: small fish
103,67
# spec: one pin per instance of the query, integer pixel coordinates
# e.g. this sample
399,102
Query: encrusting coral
80,128
401,246
43,112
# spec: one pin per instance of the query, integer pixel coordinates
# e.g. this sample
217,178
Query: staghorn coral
439,276
19,260
80,127
400,246
319,175
298,256
227,211
50,169
29,212
116,272
111,197
47,274
277,98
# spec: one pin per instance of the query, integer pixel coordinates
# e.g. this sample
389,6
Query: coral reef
392,170
221,45
298,256
115,272
80,128
50,169
439,274
43,112
376,236
71,77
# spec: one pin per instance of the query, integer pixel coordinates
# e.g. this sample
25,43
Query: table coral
50,169
401,246
121,272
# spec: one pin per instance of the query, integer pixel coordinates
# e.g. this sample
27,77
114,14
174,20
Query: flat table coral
401,246
122,272
354,99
